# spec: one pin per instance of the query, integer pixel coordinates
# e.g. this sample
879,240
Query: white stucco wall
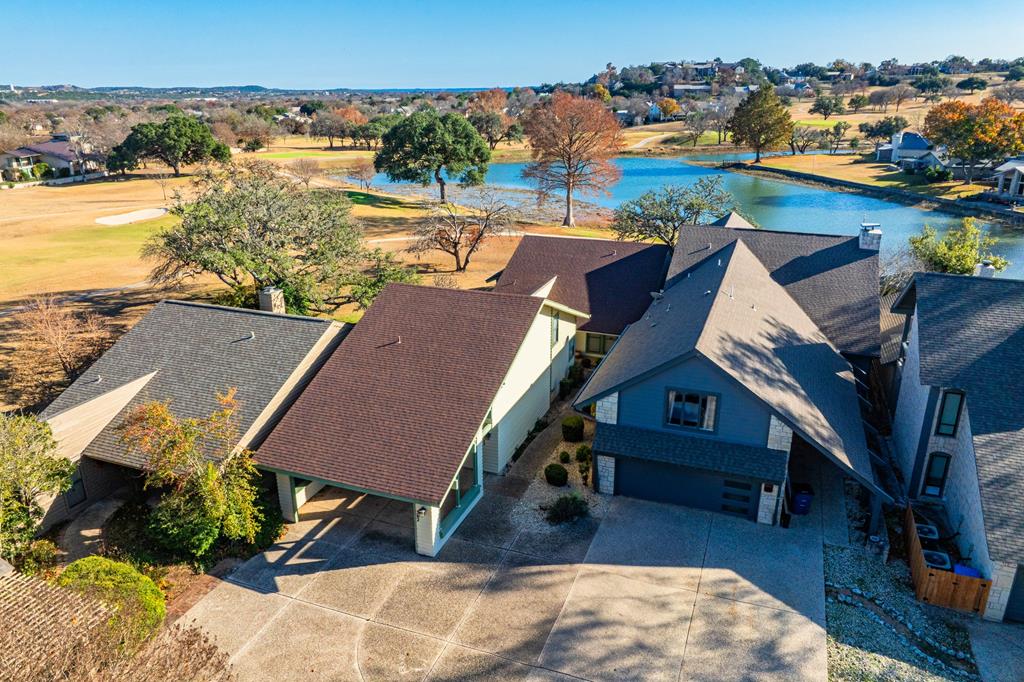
910,406
525,394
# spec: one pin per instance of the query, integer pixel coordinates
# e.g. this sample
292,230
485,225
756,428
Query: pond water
780,205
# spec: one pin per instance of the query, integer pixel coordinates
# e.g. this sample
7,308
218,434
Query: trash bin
803,493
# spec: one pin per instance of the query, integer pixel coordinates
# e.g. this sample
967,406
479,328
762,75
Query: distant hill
71,92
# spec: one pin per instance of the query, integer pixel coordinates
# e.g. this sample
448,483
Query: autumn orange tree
669,107
975,133
209,483
572,141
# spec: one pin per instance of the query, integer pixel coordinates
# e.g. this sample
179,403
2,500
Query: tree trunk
570,219
177,169
757,155
441,185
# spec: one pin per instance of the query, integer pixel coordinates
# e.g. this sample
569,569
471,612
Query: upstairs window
935,475
599,344
692,410
554,329
949,413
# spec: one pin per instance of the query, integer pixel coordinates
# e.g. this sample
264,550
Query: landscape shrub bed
567,508
572,428
138,602
556,474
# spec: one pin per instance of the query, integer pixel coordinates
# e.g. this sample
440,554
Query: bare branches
68,338
306,170
461,232
573,141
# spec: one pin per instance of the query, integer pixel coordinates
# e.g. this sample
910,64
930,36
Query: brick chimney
272,300
870,236
985,269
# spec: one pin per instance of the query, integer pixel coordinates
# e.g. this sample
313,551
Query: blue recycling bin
803,494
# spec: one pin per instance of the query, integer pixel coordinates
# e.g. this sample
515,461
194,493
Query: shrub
584,468
138,603
539,426
565,387
583,453
184,522
576,373
40,557
556,474
568,508
564,457
937,174
572,428
41,170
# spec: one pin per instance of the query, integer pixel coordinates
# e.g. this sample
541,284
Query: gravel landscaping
877,630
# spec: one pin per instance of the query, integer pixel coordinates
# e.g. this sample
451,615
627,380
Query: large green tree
828,105
177,140
427,146
251,228
761,122
661,214
30,468
959,251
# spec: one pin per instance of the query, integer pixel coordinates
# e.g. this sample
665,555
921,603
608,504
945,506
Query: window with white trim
692,410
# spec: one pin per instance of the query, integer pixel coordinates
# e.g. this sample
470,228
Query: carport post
427,523
286,496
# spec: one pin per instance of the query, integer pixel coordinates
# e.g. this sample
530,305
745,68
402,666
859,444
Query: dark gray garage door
1015,607
661,482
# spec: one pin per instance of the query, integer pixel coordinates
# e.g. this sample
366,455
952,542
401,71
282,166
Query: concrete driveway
649,592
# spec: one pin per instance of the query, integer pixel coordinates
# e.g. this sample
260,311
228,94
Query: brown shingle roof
397,405
609,280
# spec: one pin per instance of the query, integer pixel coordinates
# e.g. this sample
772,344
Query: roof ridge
249,311
763,230
480,292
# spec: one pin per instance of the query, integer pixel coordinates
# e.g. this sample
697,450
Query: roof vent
657,295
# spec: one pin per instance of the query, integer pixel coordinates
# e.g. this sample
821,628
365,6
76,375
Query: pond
780,205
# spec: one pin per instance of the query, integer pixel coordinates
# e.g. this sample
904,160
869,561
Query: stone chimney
272,300
985,269
870,236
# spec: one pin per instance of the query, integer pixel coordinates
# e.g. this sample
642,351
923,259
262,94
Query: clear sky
464,43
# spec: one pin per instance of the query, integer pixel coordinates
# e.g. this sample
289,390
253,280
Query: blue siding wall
742,418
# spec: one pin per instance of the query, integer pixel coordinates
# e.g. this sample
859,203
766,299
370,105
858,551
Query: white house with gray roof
958,426
185,354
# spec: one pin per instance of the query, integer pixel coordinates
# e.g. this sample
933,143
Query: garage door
1015,607
661,482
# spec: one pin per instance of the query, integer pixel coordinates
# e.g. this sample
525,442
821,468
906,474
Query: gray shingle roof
196,351
831,277
397,405
609,280
972,338
698,453
891,326
730,311
732,219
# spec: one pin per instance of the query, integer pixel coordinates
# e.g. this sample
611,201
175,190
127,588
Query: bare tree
901,93
1009,92
68,338
162,179
306,170
460,232
802,138
896,269
572,140
363,172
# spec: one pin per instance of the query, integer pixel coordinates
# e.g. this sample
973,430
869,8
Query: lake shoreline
904,197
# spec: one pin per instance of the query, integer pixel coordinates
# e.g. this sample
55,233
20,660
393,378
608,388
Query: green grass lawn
376,200
70,259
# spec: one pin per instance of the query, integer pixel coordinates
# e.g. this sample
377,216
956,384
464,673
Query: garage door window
692,410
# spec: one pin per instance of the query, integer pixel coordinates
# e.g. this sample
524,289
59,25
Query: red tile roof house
431,388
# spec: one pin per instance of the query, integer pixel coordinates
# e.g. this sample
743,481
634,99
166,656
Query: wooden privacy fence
938,587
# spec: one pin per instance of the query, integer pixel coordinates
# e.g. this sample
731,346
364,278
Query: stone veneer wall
606,412
999,594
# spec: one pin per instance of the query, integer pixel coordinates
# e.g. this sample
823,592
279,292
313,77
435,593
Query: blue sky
457,43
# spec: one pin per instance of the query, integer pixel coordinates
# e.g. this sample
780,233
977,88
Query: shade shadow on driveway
648,592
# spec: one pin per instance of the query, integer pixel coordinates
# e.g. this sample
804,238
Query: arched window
935,475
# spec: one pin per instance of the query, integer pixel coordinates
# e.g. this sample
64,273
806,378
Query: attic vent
98,379
708,292
719,262
399,341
